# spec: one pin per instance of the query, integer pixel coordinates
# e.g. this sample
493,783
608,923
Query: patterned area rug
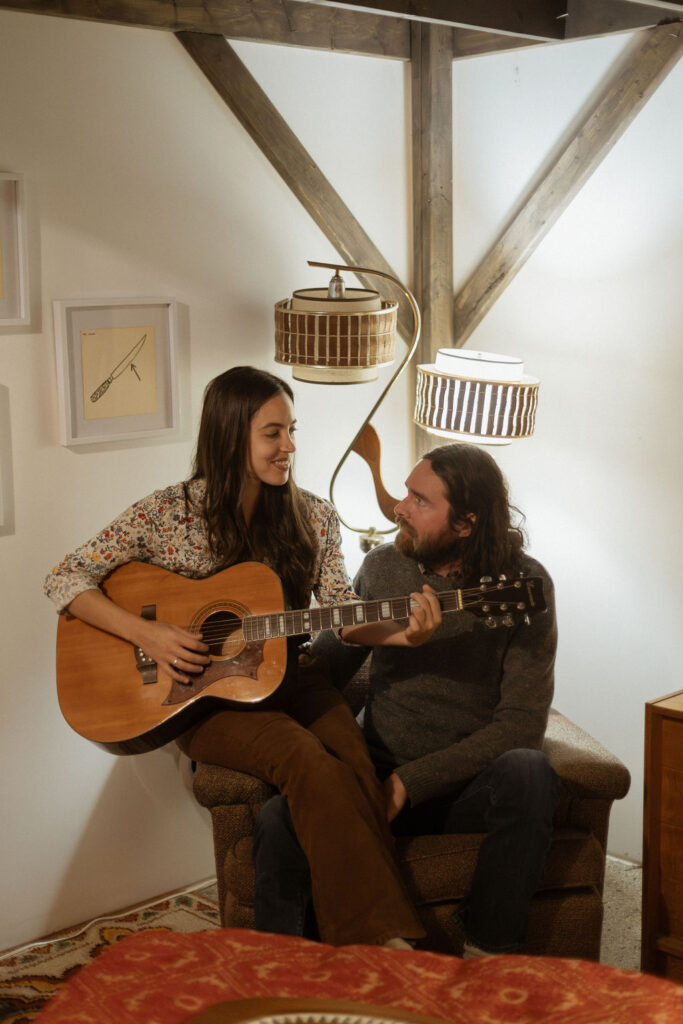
30,977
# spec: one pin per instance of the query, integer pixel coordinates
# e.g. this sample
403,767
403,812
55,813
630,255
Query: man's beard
443,549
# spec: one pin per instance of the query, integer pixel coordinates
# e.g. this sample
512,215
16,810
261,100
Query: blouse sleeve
130,536
332,584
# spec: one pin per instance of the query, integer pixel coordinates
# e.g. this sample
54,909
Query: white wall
142,183
596,314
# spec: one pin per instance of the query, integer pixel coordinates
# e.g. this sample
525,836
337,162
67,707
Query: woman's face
271,441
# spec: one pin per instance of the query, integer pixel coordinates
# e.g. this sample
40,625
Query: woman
241,504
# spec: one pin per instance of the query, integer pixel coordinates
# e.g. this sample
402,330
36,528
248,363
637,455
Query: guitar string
215,633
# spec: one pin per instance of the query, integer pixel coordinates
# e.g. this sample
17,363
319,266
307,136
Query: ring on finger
175,661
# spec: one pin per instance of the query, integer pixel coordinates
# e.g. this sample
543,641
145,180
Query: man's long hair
279,532
475,486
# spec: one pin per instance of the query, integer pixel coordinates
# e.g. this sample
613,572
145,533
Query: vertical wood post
432,162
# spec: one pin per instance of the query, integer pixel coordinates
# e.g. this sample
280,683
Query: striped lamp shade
476,396
340,340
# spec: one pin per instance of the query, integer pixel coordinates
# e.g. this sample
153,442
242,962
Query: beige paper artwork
119,372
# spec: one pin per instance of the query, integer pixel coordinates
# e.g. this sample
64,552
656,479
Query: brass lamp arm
417,326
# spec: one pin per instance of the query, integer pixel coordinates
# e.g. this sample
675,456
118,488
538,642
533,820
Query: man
455,726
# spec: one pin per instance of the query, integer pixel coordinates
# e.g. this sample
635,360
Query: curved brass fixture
366,442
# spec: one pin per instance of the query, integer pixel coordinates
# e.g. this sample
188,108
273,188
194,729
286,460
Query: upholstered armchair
566,912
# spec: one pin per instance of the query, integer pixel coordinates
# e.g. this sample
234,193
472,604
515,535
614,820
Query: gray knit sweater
441,713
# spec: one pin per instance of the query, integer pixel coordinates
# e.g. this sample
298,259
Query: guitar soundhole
222,632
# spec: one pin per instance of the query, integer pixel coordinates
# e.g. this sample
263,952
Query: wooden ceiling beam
635,77
282,22
533,18
675,6
468,42
587,18
285,22
248,102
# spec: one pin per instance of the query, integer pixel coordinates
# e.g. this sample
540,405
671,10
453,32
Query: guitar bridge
146,666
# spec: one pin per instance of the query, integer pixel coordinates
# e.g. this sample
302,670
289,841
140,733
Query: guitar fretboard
353,613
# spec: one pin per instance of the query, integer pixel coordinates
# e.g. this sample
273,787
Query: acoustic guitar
113,694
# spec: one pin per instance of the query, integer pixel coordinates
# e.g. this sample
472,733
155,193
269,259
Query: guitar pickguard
246,663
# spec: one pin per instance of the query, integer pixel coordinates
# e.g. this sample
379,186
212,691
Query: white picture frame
116,369
14,279
6,474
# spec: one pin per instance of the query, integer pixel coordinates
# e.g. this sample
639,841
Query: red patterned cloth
159,977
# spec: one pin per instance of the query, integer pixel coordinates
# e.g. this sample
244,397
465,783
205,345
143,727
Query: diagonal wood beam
271,133
288,22
634,79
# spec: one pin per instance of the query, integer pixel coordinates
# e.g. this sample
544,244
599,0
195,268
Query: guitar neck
353,613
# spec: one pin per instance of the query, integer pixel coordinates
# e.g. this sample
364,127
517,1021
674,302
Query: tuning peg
502,576
508,620
485,579
520,606
490,622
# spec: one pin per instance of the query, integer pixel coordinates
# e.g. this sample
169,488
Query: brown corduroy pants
305,741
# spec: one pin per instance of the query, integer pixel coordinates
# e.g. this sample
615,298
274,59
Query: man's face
425,532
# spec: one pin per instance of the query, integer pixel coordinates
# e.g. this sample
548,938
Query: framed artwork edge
24,306
67,387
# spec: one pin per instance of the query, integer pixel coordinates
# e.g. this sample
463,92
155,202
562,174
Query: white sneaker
397,943
470,951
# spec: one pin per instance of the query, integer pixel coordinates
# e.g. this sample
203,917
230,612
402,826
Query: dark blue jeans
512,801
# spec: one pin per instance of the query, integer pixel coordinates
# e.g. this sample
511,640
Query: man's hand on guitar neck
425,617
177,652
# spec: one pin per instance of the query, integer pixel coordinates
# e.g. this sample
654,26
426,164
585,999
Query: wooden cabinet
662,947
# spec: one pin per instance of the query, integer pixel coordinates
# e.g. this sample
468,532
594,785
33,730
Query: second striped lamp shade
476,396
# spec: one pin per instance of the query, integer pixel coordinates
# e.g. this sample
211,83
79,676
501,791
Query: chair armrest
214,786
587,768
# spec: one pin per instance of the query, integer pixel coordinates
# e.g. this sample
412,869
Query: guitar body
102,692
112,694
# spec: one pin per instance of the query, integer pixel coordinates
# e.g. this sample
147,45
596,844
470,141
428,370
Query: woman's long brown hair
279,532
476,486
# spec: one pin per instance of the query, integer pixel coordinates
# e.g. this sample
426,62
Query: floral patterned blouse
160,530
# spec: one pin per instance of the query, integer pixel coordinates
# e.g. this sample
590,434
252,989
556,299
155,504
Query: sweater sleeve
518,721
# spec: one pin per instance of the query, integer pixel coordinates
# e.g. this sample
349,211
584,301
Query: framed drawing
115,369
14,301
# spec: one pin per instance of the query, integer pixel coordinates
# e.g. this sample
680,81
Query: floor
621,923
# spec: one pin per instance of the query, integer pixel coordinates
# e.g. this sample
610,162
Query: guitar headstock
506,601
